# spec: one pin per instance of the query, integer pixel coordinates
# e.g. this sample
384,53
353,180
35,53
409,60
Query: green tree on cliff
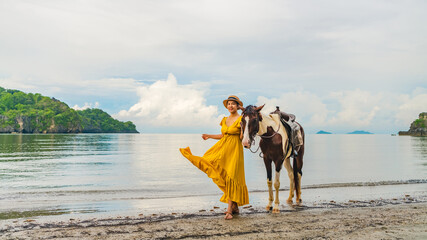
35,113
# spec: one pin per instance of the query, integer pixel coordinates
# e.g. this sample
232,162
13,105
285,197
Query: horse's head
250,124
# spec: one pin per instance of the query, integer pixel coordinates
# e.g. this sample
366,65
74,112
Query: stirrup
295,153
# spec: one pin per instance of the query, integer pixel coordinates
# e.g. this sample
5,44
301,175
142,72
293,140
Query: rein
274,134
264,137
268,137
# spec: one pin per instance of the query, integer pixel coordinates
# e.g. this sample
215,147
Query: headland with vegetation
418,126
34,113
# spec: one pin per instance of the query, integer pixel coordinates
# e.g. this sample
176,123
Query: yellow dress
223,162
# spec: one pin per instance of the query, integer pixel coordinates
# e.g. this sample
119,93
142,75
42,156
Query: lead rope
265,137
253,143
260,153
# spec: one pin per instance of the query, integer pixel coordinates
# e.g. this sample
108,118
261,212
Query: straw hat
232,98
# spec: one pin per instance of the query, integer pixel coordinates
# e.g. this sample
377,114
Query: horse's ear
259,108
241,108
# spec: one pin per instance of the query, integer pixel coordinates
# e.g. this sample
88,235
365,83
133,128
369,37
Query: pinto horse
276,149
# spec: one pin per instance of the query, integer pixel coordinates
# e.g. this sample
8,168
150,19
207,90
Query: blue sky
166,65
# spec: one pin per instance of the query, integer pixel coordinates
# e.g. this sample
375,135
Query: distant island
418,127
323,132
359,132
34,113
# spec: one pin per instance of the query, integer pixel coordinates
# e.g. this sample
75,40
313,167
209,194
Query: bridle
261,136
251,139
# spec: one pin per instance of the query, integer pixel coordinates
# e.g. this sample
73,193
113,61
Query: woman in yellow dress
223,162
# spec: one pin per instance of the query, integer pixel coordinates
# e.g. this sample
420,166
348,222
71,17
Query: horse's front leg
291,179
277,187
267,163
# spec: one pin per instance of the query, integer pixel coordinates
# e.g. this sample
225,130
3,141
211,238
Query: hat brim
226,100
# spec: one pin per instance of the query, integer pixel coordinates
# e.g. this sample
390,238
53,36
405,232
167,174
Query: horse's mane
249,110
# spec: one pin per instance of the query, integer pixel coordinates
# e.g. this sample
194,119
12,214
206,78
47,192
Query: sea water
108,174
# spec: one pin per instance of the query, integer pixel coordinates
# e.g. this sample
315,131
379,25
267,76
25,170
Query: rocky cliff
418,127
26,124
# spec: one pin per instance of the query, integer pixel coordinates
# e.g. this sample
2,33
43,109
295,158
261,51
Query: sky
339,66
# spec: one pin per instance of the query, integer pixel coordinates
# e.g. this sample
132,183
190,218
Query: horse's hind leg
277,187
298,192
291,179
299,166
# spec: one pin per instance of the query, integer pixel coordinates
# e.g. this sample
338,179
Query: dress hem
232,189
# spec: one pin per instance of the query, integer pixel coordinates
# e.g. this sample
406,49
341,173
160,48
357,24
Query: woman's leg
235,208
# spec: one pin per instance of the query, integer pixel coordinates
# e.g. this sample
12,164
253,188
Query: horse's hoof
289,201
268,208
276,210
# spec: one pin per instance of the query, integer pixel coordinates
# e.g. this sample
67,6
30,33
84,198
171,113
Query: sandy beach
404,218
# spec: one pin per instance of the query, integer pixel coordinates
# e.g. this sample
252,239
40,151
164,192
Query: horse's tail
297,163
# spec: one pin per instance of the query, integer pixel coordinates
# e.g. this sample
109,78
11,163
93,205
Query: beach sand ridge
388,221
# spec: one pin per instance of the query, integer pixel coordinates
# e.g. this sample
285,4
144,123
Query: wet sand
404,218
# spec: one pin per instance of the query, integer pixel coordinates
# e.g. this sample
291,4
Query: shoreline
42,208
384,218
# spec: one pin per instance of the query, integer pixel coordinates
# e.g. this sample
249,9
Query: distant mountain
359,132
418,127
323,132
34,113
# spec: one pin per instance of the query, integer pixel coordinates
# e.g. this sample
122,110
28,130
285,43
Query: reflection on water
83,172
361,158
48,161
419,146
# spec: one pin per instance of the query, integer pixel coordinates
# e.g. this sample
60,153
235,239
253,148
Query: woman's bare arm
213,136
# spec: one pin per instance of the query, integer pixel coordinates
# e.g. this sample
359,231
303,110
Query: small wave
139,194
367,184
82,192
357,184
86,163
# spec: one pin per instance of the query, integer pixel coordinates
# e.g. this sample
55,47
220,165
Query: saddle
286,116
292,129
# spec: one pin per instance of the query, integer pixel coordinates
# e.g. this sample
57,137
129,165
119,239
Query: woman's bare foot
228,216
229,213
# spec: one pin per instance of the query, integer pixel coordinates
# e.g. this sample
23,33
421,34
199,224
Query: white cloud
167,104
411,105
86,106
100,51
307,106
358,108
346,111
57,43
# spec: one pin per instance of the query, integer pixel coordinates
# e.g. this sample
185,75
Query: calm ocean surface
139,173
